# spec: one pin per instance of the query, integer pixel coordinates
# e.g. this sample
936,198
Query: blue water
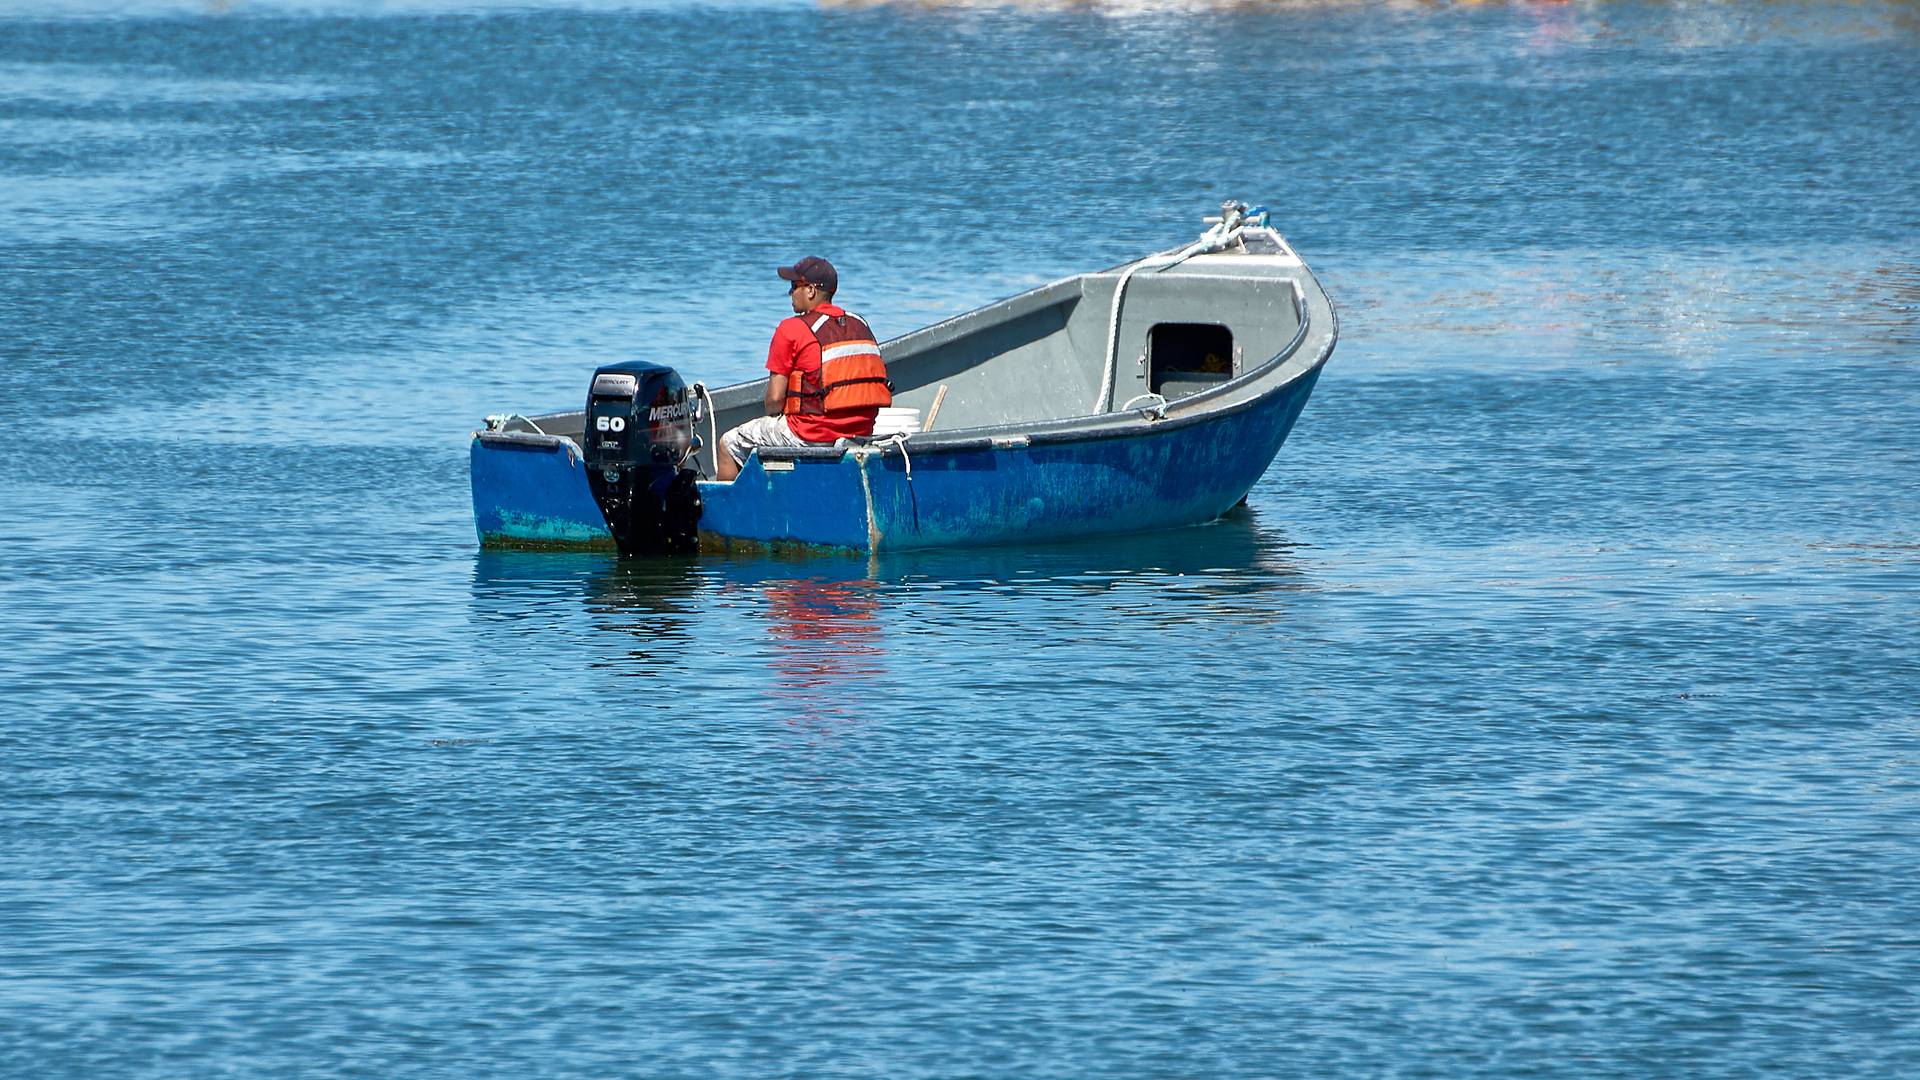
1553,708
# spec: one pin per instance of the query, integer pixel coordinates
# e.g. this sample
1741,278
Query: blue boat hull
1045,486
533,493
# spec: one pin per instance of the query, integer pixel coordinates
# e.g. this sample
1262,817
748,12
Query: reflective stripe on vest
852,376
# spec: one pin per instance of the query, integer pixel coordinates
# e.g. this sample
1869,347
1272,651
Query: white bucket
892,421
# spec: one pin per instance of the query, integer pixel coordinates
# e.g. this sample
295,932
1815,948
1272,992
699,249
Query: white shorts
757,432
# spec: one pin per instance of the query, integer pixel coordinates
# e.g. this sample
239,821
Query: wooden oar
939,396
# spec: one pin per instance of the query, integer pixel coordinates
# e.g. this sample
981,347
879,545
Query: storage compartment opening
1187,356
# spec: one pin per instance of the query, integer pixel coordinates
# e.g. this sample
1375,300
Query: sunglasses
797,285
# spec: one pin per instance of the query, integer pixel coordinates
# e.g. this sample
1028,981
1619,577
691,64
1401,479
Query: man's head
811,282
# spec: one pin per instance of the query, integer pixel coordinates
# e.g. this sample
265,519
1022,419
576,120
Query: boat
1150,395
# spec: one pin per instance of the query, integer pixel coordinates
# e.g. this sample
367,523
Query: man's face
802,295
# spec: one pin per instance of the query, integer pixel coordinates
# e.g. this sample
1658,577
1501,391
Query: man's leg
737,443
725,466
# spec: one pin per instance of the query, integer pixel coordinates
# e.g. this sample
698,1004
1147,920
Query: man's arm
780,360
794,349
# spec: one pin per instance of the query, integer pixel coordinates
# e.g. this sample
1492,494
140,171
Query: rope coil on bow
1235,219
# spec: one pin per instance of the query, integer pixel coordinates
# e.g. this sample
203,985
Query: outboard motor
638,437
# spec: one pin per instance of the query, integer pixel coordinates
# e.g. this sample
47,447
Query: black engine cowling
638,436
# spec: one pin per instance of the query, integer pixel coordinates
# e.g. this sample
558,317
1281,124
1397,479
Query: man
825,380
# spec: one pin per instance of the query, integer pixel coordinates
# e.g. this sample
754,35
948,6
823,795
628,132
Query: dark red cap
813,270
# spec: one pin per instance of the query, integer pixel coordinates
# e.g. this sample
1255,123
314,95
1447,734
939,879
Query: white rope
499,422
1113,327
1159,409
1212,240
899,439
713,422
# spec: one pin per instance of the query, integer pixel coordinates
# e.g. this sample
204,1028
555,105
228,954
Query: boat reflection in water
817,640
534,603
825,641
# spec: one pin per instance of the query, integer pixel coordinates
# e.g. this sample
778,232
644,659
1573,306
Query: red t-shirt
795,348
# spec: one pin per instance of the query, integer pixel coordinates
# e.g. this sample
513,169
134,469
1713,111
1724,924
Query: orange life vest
852,376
